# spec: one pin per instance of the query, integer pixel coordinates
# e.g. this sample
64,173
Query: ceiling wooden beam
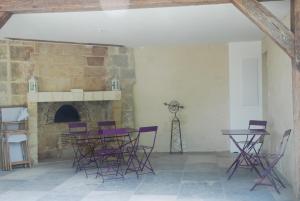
268,23
4,17
31,6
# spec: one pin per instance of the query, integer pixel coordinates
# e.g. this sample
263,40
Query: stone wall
62,67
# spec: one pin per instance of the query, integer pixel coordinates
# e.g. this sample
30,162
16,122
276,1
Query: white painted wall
245,84
196,76
279,101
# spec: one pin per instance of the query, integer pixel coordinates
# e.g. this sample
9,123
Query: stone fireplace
59,68
50,129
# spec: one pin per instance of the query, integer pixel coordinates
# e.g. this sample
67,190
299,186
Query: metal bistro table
246,154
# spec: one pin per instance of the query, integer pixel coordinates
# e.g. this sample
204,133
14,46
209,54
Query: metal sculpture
176,139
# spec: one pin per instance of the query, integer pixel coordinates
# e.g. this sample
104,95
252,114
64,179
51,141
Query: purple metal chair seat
139,158
269,176
110,155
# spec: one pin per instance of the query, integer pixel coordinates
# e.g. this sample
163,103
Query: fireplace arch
66,113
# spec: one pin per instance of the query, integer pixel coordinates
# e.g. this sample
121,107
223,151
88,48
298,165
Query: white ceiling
142,27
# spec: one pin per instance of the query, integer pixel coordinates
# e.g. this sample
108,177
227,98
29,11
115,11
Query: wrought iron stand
176,138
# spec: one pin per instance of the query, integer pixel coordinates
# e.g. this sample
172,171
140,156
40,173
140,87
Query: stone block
3,88
112,95
127,73
19,88
20,53
94,84
120,60
17,72
3,100
113,50
29,70
114,73
95,61
99,51
123,50
93,96
32,97
3,71
3,52
95,71
77,82
19,100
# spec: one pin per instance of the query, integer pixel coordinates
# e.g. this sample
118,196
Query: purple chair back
284,142
149,130
77,127
257,125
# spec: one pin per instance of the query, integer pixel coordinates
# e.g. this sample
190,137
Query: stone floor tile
201,190
158,188
107,196
22,195
181,177
153,198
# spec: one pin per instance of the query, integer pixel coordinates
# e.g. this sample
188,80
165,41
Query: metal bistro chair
253,144
139,157
269,176
102,125
258,125
110,155
80,144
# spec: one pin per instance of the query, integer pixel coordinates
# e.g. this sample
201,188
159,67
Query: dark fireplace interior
66,113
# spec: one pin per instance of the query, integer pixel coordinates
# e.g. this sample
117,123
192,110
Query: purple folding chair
139,154
110,155
257,142
75,130
106,125
82,147
269,176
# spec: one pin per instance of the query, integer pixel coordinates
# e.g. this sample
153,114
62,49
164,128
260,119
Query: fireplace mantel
36,97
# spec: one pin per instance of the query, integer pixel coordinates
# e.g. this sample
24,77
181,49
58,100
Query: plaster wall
196,76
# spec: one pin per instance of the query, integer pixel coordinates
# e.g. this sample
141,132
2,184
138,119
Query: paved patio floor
187,177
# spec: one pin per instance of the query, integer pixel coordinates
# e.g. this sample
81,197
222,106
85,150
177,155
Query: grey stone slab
119,185
62,197
107,196
247,195
203,190
201,176
186,177
158,188
153,197
22,195
202,167
6,185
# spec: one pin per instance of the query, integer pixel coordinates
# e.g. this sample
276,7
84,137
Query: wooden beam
64,42
268,23
31,6
4,17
